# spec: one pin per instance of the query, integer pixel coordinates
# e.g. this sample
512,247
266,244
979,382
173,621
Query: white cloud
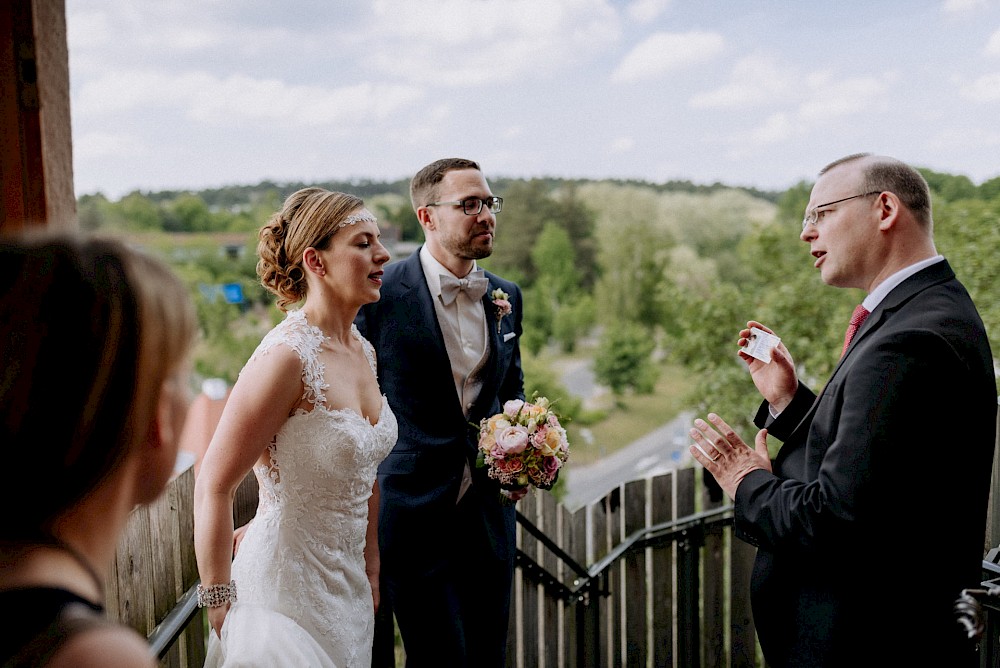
664,52
453,42
622,145
87,29
755,80
103,145
831,99
984,89
645,11
776,128
823,100
951,140
993,45
961,6
513,132
229,100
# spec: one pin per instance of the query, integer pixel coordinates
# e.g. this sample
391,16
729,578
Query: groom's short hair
424,184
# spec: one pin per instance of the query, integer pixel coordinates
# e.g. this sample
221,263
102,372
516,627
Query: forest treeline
654,271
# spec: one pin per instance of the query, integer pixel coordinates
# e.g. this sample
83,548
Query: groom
448,356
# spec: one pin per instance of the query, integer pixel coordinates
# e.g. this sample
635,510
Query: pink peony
513,439
512,408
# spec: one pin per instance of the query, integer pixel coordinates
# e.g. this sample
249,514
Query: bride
307,415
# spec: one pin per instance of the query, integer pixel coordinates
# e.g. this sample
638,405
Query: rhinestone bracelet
214,596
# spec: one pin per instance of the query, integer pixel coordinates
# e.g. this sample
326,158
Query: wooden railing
648,575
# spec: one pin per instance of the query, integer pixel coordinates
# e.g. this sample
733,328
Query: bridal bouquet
524,445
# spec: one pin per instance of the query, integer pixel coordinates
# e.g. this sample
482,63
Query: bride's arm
372,558
268,389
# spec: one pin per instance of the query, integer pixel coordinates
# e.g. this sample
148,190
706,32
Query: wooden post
36,156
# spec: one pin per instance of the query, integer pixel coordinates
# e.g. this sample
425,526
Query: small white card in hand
761,344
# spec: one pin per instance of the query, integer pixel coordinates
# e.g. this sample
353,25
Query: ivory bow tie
474,285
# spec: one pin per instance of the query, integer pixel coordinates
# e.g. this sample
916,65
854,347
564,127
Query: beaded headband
355,218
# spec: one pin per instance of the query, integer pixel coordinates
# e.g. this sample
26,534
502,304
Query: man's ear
889,207
312,261
425,219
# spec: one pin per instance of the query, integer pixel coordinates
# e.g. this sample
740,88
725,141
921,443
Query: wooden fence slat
133,571
713,583
600,541
635,577
165,536
192,642
688,585
662,649
574,540
513,658
549,634
742,635
615,580
529,589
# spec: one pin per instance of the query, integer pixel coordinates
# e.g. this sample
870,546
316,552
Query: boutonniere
501,301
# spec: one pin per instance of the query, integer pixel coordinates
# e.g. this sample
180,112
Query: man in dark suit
871,519
448,356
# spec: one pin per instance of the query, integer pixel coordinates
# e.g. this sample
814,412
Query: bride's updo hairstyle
309,218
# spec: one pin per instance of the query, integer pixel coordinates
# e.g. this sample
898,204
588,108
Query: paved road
657,452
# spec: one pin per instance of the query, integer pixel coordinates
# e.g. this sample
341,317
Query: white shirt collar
876,296
433,270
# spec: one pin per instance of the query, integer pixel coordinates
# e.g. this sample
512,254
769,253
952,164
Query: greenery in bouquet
524,445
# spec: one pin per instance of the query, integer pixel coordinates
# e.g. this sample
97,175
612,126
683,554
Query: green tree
397,211
140,212
91,212
528,206
967,232
949,187
624,359
188,213
555,304
634,258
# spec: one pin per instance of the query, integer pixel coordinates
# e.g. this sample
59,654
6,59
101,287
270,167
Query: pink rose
512,408
512,439
538,438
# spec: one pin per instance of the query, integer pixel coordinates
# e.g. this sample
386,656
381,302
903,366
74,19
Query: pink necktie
858,317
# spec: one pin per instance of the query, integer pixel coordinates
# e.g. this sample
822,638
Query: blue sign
232,293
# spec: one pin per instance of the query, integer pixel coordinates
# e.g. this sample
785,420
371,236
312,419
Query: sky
195,94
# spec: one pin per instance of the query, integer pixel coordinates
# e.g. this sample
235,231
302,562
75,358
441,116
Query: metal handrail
658,533
166,633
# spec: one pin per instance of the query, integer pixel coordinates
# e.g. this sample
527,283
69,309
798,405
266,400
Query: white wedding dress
303,596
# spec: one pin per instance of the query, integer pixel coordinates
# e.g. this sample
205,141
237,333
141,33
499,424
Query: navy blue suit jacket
874,519
420,479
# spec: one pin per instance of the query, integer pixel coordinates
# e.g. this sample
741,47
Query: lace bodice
303,555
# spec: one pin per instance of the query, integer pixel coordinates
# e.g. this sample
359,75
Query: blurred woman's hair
90,330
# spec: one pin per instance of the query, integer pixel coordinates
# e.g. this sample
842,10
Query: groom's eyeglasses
473,205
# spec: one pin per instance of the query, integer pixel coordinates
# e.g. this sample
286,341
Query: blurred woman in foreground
94,340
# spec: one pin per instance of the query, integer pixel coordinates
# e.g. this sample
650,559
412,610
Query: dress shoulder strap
368,347
296,333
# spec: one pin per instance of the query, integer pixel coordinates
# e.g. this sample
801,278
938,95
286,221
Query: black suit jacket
420,479
874,518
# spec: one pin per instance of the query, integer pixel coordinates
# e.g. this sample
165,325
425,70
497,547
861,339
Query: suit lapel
490,372
900,295
413,288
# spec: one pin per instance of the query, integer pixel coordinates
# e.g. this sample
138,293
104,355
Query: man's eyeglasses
812,217
473,205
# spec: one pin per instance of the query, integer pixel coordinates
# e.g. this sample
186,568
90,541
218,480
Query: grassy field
637,415
609,425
